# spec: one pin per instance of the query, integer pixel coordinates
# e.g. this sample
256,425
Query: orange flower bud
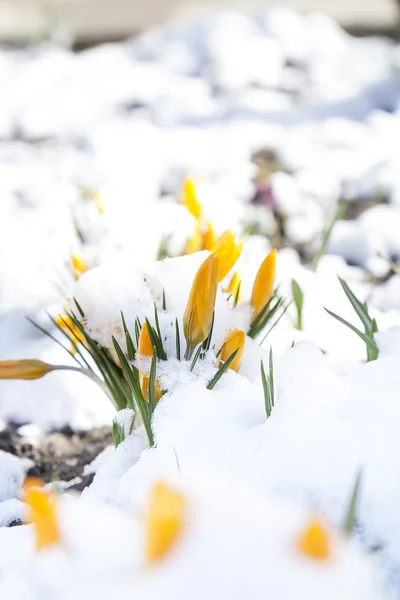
263,283
164,521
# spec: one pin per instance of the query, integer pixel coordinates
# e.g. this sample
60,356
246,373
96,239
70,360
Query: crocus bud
234,285
228,251
164,521
145,347
24,369
263,283
235,341
314,541
42,513
208,237
189,198
198,315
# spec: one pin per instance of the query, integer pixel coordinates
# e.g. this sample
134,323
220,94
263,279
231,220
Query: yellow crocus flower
235,341
164,521
228,251
198,315
264,283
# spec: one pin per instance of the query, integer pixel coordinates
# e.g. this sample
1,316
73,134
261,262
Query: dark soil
61,455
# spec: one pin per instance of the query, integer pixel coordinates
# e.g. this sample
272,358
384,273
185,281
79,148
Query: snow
131,121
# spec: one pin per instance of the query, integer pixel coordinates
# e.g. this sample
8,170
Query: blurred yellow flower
228,251
164,521
198,315
263,283
189,198
314,541
235,341
42,513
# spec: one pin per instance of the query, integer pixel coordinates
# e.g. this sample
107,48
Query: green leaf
360,309
164,302
341,211
298,298
237,294
207,342
129,343
371,346
267,391
271,377
118,433
156,339
152,382
211,384
196,357
177,340
351,513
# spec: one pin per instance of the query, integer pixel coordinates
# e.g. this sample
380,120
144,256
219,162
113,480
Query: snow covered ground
94,150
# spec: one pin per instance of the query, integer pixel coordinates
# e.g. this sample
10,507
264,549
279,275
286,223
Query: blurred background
91,21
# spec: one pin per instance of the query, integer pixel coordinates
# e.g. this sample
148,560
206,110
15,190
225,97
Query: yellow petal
164,521
98,202
208,237
228,251
314,541
194,243
43,513
66,324
234,286
78,264
198,315
24,369
145,347
145,385
235,341
189,198
264,283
